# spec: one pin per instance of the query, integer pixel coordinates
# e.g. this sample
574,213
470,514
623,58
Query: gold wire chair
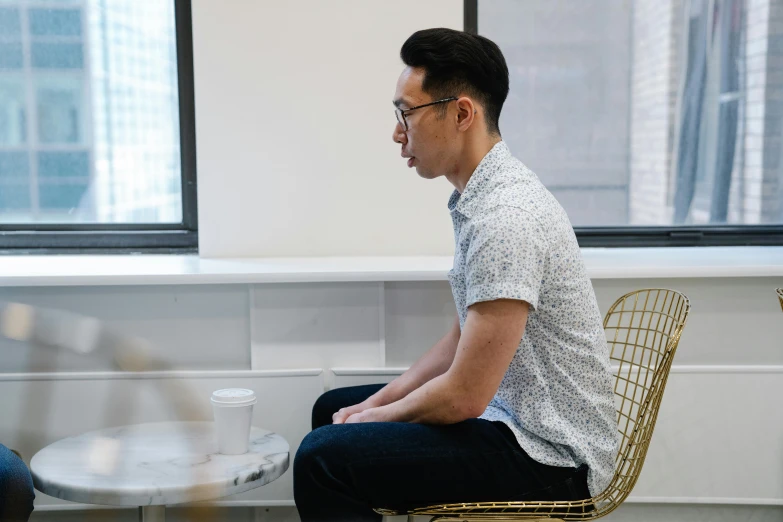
643,330
780,296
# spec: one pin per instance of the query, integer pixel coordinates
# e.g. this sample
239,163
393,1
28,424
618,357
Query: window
653,122
97,147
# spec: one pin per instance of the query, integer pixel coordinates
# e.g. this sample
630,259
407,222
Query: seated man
515,402
16,488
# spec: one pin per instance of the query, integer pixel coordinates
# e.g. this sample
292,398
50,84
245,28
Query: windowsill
602,263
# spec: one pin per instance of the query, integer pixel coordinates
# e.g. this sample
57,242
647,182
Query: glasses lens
400,119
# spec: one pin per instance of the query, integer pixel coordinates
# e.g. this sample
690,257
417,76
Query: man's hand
368,415
341,416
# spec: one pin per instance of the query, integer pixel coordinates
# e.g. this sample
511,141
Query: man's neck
472,154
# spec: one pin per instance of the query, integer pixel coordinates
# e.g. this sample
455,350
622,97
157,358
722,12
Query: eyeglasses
400,113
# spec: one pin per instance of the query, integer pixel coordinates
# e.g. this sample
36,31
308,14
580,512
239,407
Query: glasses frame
400,113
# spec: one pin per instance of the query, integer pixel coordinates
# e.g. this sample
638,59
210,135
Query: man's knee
331,402
314,446
16,487
311,459
325,401
325,406
326,447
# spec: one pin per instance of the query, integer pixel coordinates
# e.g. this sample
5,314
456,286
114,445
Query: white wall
294,122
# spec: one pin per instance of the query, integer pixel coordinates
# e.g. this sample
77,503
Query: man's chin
423,173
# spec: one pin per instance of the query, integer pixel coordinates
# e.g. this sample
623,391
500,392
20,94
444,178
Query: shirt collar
478,183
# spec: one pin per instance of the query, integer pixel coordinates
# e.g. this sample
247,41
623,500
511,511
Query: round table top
155,464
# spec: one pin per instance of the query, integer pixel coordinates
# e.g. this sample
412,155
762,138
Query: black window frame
121,238
659,236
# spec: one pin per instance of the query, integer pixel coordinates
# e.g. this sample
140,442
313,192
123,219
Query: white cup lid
233,396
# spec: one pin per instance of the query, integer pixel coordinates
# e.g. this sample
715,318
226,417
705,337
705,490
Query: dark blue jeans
343,471
16,487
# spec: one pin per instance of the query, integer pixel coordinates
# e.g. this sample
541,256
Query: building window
653,122
83,162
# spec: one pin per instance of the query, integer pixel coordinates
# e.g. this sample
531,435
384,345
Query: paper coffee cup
233,410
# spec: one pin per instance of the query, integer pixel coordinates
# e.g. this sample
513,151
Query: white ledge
104,375
602,263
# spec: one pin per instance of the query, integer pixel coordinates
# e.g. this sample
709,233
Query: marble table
151,465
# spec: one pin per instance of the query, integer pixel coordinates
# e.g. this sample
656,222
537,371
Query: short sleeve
506,257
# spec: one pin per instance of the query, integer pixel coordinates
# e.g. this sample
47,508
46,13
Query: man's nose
399,135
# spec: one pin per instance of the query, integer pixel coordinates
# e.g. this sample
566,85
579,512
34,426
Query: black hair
456,62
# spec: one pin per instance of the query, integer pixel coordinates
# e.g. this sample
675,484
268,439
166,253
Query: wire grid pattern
780,296
643,329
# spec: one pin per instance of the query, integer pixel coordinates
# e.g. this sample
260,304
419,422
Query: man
515,402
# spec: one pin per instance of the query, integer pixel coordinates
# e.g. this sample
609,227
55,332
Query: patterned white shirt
514,241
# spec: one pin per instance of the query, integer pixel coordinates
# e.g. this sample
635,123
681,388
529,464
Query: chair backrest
780,296
643,330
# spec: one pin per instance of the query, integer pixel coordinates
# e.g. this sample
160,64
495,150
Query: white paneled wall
718,439
734,320
344,377
321,324
417,315
194,327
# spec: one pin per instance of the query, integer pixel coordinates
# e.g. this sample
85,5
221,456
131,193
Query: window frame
123,238
659,236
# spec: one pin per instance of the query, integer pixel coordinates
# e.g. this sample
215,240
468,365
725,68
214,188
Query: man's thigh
401,465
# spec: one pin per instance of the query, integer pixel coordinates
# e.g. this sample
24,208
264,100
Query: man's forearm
435,362
438,401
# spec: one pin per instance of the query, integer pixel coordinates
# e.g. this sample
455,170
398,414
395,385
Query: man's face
430,139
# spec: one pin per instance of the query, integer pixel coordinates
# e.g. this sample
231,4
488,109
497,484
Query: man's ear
467,112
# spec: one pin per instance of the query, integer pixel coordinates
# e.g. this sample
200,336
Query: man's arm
435,362
489,340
